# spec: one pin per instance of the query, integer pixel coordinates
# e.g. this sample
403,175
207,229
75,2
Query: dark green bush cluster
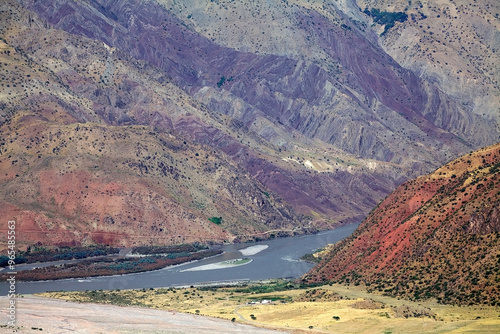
177,255
386,18
186,248
79,254
222,80
40,254
4,260
128,265
216,220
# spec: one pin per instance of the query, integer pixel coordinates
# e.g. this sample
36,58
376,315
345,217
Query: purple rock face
150,32
375,109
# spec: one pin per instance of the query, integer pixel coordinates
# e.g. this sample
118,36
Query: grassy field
282,305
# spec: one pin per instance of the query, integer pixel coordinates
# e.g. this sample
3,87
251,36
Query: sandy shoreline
59,316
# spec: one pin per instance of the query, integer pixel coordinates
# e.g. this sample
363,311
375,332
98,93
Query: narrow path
235,311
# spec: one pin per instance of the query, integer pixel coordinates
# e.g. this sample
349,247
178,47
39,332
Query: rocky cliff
434,236
275,117
455,44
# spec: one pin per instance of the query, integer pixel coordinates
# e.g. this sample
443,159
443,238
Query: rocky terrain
165,122
71,178
435,236
453,43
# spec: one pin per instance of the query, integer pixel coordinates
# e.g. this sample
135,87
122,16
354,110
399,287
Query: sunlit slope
435,236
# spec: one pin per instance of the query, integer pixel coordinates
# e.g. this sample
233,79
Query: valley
160,157
129,123
270,259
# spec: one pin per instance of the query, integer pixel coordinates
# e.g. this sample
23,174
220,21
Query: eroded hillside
70,177
435,236
307,127
455,43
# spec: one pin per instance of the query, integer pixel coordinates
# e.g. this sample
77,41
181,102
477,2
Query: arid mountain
68,177
435,236
278,117
449,45
453,43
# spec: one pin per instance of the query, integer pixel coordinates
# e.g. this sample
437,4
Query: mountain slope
435,236
287,90
68,177
455,43
342,40
270,139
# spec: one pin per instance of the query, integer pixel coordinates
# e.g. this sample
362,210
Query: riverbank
271,259
294,308
107,266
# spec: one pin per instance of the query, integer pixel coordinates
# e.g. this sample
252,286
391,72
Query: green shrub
216,220
221,82
386,18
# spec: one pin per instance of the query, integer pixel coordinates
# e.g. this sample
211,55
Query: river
271,259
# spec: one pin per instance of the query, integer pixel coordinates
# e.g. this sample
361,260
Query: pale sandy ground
252,250
58,316
218,265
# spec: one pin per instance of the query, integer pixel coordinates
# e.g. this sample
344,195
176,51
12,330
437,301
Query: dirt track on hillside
58,316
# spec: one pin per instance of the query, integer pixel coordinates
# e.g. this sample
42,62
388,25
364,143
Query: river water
277,258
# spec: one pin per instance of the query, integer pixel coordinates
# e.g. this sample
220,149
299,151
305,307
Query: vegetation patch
176,249
319,295
406,311
318,255
216,220
109,266
386,18
368,304
222,80
36,253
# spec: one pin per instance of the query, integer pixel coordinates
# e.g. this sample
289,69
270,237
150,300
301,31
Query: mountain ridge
435,236
316,144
